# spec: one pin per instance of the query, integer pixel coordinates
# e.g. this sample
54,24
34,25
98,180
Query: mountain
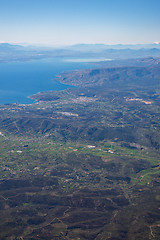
119,77
9,52
11,47
94,47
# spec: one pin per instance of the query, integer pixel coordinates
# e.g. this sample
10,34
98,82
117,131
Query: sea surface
18,80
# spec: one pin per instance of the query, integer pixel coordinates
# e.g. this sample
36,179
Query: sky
68,22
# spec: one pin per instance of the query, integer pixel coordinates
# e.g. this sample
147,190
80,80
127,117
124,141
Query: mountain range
10,52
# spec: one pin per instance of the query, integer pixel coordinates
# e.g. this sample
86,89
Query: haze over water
18,80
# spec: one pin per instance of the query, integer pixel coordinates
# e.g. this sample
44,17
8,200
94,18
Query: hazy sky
66,22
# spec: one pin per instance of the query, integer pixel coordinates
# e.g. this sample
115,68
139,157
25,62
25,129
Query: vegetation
83,163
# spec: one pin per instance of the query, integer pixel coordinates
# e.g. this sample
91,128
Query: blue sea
18,80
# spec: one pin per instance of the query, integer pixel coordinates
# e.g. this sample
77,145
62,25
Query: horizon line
74,44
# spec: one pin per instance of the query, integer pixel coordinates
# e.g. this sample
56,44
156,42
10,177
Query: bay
18,80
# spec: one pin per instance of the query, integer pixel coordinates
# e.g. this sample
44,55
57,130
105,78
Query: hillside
120,77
